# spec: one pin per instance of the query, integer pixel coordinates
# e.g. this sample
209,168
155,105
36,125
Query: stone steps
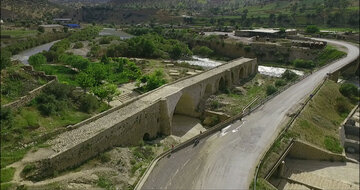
317,181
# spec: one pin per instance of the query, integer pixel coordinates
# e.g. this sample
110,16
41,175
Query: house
52,27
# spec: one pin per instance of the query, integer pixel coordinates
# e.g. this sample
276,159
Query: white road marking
237,128
223,131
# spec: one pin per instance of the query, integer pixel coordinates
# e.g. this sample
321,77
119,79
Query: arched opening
185,120
208,90
242,73
222,84
146,137
185,105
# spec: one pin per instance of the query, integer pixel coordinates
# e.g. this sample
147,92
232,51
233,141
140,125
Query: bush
7,174
311,29
342,106
78,45
28,168
37,59
300,63
349,90
202,51
88,103
155,80
270,89
280,82
247,49
289,75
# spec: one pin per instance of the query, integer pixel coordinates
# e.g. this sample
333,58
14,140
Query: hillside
20,9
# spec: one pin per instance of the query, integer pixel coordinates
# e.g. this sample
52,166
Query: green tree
349,90
107,91
289,75
311,29
97,71
37,59
85,80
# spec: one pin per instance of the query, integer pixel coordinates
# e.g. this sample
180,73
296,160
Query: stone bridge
143,118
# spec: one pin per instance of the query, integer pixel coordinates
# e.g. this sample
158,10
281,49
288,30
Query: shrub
348,90
342,106
280,82
28,168
37,59
270,89
289,75
155,80
88,103
300,63
202,51
247,49
311,29
78,45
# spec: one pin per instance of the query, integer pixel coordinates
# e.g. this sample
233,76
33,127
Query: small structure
73,26
52,27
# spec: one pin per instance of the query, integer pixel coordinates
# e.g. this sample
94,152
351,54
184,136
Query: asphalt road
227,159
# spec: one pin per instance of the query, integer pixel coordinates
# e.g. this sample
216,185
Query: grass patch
65,75
262,184
329,54
18,33
319,122
105,183
7,174
6,186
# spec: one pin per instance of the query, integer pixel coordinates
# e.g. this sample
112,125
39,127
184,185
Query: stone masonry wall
129,132
33,93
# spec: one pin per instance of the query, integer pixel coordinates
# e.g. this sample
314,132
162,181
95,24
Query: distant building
52,27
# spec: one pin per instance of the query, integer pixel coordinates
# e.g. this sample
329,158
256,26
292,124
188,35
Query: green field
19,33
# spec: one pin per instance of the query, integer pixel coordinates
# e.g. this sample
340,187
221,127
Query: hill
27,9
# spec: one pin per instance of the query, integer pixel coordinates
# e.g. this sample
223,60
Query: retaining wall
33,93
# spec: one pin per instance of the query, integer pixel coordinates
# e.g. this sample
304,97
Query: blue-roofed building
73,25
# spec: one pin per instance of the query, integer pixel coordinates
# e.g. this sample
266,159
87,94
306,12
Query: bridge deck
71,138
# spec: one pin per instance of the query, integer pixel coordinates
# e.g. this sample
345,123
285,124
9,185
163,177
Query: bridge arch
222,84
185,105
242,73
208,90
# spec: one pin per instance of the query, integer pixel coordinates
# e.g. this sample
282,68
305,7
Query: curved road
227,159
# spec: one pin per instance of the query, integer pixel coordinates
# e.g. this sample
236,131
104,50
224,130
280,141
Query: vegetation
312,29
270,89
16,83
56,107
7,174
150,46
202,51
329,54
349,90
152,81
319,121
289,75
